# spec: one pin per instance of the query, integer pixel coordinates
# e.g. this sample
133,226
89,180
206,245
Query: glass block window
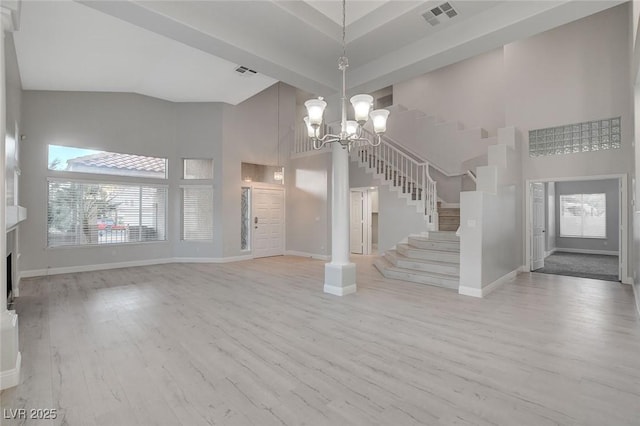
580,137
245,219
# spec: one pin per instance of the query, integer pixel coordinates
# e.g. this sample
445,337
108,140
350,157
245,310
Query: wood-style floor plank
259,343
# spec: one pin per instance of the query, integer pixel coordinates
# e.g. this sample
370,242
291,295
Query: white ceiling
187,50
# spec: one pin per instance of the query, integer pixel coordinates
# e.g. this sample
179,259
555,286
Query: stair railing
405,170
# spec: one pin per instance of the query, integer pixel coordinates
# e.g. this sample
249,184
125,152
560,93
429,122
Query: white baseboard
339,291
469,291
211,259
305,254
586,251
484,291
117,265
550,252
636,293
627,280
11,378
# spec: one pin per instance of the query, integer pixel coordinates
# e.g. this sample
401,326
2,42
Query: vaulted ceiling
189,50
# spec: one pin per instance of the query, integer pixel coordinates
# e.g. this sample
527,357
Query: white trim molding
324,257
636,293
484,291
11,378
117,265
587,251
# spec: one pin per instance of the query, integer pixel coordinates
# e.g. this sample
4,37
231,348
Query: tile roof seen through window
120,161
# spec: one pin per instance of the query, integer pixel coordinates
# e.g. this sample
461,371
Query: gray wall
13,116
259,130
608,187
117,122
109,121
308,205
396,219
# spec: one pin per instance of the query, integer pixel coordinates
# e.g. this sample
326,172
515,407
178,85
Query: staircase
448,218
432,259
404,173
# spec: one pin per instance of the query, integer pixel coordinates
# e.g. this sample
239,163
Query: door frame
367,232
623,219
271,186
544,231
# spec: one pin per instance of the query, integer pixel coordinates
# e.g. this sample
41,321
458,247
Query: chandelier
350,130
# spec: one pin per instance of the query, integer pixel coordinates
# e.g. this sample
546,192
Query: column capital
10,15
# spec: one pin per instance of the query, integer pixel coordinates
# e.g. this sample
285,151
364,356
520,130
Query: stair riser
435,245
420,279
452,257
453,227
448,220
441,236
454,271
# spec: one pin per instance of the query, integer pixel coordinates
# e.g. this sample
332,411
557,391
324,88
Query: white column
9,349
340,273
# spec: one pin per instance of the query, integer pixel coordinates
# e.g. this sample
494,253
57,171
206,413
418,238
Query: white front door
537,226
356,235
268,222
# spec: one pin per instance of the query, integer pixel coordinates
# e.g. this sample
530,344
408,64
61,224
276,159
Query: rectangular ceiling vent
245,71
435,15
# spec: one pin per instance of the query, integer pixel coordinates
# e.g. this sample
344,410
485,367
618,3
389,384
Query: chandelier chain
344,26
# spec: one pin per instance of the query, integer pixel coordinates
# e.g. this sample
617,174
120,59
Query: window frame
582,236
202,184
140,184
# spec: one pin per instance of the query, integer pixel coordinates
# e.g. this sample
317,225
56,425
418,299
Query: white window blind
197,213
85,213
583,215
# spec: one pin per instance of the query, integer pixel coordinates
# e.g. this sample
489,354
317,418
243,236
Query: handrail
403,172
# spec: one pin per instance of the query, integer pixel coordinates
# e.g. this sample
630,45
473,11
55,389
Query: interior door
268,222
537,226
357,222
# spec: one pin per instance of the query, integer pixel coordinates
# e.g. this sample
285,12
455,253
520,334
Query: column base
339,280
10,358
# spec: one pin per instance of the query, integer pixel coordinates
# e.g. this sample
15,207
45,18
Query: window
583,215
197,213
86,213
197,199
198,168
71,159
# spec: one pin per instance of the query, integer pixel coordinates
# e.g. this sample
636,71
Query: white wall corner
10,378
507,136
10,12
487,179
497,155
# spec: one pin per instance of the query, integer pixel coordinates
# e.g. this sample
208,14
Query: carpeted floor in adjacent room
596,266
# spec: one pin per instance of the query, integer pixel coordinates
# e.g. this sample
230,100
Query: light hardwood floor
258,343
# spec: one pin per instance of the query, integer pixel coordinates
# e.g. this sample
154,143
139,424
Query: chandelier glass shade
350,130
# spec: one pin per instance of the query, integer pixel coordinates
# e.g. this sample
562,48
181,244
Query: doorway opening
577,227
364,221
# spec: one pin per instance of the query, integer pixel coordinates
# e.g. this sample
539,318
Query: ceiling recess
439,13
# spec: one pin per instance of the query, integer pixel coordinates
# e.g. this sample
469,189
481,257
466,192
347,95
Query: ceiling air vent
435,15
245,71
